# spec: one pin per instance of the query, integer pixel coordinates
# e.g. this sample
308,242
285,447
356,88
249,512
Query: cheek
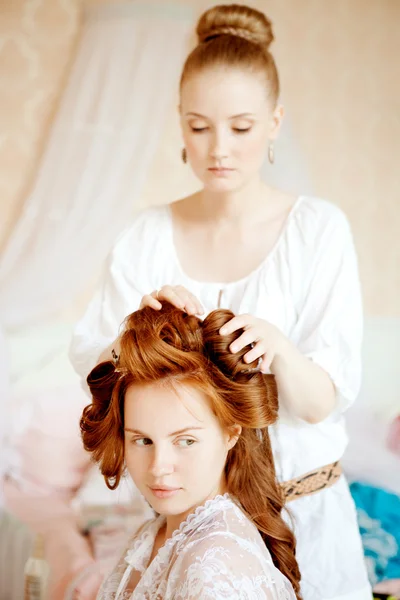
209,458
196,145
253,147
135,464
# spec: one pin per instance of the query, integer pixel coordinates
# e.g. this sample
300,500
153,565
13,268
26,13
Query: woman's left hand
267,339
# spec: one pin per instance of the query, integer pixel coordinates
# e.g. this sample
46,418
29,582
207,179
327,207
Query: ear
233,435
276,121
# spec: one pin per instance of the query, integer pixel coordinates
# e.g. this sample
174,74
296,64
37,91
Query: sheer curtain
97,158
96,161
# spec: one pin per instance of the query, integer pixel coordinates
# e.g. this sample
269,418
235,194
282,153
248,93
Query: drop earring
271,153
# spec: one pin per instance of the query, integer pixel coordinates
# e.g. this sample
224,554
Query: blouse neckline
227,284
148,535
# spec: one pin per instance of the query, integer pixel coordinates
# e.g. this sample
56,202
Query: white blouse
216,554
308,286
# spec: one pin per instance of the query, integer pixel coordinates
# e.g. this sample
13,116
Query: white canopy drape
97,158
96,161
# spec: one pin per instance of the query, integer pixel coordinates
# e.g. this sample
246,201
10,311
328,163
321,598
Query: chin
170,506
221,185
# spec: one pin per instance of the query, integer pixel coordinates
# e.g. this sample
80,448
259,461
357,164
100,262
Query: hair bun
237,20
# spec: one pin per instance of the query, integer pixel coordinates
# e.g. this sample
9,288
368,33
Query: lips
221,172
164,491
220,169
164,488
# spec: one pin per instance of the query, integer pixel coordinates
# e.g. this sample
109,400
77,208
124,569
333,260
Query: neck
238,207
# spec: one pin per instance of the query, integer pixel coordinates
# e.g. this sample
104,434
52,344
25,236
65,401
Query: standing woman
285,265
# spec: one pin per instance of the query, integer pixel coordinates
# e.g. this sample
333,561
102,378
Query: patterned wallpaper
338,64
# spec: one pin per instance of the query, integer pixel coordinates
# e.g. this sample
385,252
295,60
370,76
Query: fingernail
234,348
222,331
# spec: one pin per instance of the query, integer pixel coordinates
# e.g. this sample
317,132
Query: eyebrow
192,114
169,435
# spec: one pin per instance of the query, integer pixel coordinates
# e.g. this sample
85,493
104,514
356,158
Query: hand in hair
304,387
267,340
176,295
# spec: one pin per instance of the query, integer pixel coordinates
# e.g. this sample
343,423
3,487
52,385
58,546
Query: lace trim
147,537
201,510
138,555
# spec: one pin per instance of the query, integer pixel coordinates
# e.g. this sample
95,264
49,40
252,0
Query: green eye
186,443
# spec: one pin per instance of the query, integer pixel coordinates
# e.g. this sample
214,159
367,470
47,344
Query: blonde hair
235,36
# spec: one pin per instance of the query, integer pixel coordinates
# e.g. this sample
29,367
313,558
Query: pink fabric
49,464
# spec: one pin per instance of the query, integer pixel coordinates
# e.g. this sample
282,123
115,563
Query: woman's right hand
176,295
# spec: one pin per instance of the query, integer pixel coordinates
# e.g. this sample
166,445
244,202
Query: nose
218,149
161,463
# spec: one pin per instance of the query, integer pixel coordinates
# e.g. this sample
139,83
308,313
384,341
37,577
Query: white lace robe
217,553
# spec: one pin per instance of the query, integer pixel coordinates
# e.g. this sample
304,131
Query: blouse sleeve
330,323
124,282
221,568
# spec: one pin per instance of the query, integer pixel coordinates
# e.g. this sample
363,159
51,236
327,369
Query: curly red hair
169,344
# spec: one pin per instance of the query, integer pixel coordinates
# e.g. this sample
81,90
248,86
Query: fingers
151,300
192,304
255,353
177,296
197,304
249,336
181,298
239,322
258,353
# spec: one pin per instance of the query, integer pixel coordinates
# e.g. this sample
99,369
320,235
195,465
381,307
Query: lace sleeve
223,566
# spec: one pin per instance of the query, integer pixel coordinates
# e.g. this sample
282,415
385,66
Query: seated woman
189,421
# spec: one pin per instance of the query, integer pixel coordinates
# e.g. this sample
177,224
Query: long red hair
169,344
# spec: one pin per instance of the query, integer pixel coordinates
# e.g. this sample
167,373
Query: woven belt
311,482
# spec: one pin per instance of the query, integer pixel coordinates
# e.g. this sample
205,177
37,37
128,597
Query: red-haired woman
189,422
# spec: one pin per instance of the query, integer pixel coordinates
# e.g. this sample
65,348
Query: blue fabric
379,521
